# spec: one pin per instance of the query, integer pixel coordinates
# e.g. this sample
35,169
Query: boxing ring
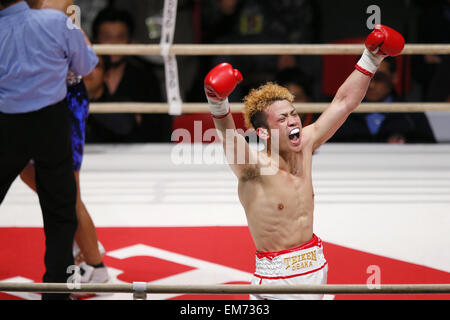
381,197
377,194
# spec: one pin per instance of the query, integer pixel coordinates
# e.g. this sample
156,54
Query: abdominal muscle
279,212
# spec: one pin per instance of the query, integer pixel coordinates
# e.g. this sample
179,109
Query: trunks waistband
301,260
315,241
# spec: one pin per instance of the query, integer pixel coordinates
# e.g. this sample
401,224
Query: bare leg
86,235
28,175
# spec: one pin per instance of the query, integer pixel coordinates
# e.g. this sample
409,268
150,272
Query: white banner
170,61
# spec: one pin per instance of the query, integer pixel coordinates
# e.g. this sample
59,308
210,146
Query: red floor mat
22,251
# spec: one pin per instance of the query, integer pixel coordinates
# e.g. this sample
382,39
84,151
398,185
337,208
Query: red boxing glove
219,83
385,41
382,42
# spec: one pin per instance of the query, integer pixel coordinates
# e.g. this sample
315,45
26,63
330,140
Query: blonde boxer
279,203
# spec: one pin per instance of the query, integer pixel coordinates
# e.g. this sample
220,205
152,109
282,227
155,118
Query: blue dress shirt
37,48
375,120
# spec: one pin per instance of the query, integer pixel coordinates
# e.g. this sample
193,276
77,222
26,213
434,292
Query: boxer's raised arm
382,42
219,83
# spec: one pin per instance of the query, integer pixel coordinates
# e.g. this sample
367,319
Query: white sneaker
100,275
89,274
86,272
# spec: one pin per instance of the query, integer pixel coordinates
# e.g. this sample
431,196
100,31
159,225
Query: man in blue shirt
37,48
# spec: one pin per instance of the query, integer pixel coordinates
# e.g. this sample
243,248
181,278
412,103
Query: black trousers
44,136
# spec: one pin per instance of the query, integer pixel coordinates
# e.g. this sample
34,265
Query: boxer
279,206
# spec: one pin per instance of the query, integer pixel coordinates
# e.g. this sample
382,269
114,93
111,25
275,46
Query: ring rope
228,289
259,49
315,107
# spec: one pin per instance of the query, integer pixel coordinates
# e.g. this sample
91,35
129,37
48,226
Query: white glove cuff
219,108
369,62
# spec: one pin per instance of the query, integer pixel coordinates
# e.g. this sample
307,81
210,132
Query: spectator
431,71
251,21
128,78
148,17
223,18
300,85
439,84
297,82
95,81
385,127
97,91
34,119
433,26
439,91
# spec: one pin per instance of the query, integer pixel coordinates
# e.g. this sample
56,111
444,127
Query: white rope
259,49
230,289
177,107
137,107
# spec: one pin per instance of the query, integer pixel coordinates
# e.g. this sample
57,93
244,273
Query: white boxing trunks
302,265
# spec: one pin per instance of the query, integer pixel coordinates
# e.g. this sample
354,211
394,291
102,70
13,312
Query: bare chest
283,192
287,188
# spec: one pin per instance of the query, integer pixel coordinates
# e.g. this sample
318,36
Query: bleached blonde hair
259,99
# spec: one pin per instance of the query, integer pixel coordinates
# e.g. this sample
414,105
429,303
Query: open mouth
294,135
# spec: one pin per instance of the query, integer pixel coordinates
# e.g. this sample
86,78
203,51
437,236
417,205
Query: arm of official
81,56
